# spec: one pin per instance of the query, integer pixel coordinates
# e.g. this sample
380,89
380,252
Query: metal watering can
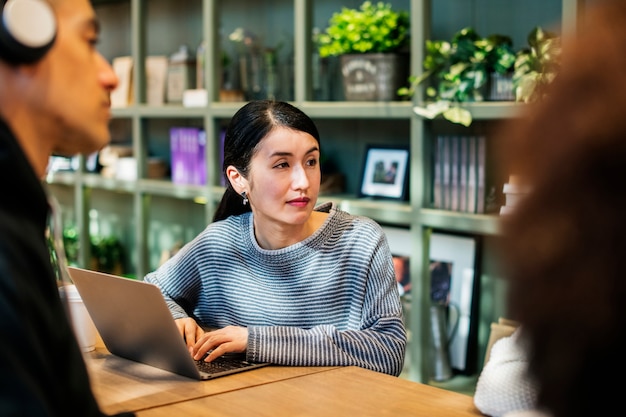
444,320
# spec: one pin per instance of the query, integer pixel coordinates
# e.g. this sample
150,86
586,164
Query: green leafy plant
536,65
108,253
459,70
374,27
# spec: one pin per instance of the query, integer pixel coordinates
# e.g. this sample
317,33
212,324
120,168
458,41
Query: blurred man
54,98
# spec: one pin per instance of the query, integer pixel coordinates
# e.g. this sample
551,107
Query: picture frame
458,256
385,172
401,266
401,246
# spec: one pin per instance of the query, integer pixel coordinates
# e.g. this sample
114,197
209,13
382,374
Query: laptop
135,323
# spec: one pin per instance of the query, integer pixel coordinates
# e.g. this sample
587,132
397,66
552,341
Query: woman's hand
221,341
190,331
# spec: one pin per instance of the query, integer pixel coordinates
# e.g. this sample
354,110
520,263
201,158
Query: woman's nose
300,178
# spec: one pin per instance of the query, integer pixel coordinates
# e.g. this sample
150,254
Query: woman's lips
300,202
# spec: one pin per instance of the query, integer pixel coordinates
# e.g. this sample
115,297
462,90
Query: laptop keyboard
221,364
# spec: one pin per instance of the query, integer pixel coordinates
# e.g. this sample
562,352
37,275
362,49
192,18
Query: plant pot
373,77
501,87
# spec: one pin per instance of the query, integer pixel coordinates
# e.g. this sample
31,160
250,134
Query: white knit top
504,385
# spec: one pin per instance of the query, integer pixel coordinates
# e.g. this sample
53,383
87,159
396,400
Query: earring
245,198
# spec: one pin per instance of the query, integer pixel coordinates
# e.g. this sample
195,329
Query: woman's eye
281,165
312,162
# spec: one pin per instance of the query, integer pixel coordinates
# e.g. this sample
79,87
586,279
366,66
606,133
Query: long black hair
247,128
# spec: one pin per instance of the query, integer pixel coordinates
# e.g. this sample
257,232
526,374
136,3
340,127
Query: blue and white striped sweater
331,299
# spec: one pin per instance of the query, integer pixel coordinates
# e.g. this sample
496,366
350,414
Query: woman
282,280
564,244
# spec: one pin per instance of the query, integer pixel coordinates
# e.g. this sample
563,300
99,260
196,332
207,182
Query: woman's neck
279,236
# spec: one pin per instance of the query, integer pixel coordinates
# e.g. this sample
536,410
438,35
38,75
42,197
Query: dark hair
564,243
248,127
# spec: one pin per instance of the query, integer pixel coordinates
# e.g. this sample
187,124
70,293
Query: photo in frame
385,172
454,272
402,269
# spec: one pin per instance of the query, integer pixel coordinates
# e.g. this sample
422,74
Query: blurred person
504,386
563,245
281,279
54,98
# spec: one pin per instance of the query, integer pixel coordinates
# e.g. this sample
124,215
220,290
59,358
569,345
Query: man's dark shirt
42,371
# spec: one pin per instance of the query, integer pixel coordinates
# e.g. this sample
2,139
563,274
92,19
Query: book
188,155
200,166
445,176
438,173
179,175
463,176
472,174
454,172
481,161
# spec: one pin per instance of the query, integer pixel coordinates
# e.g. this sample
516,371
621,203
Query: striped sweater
331,299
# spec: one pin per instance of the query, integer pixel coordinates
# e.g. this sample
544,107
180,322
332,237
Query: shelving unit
440,20
150,215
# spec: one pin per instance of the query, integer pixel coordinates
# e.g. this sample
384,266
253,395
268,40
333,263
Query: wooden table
348,391
123,385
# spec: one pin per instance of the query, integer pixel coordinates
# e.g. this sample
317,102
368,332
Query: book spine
438,172
176,155
454,173
445,179
472,175
201,165
186,157
463,176
481,154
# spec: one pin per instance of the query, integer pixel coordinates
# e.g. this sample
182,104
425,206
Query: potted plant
372,43
536,65
460,69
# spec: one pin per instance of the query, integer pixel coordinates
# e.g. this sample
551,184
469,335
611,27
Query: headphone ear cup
27,31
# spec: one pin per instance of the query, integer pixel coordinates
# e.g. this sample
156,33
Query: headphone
27,31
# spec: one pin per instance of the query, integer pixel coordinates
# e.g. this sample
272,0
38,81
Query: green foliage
374,27
536,65
460,70
107,252
70,244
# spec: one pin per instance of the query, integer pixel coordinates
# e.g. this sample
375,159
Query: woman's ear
237,181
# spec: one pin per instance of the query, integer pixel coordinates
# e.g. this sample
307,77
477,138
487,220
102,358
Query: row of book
188,155
459,173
